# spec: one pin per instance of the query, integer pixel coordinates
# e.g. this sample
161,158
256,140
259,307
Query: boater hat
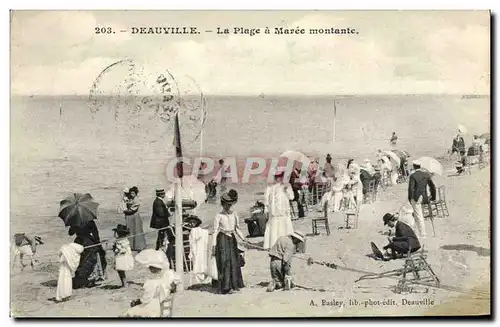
160,191
298,235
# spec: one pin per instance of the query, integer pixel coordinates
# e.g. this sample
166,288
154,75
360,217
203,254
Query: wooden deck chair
167,305
321,221
441,202
372,193
319,190
352,218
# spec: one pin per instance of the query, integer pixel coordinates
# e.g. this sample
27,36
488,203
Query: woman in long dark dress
134,221
226,247
93,264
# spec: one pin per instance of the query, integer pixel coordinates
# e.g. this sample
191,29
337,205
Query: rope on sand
112,240
310,261
483,295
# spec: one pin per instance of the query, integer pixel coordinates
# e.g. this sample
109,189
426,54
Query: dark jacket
404,233
365,178
295,180
458,145
418,186
159,218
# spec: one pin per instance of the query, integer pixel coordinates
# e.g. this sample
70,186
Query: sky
395,52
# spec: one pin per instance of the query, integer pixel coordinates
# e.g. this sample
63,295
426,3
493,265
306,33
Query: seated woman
93,264
157,297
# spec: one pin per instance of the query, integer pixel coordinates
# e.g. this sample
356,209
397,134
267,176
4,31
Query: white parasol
295,156
462,129
432,165
393,156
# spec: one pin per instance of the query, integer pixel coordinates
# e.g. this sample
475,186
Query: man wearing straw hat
159,218
417,194
281,260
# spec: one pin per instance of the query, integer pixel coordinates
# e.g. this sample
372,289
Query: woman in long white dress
277,206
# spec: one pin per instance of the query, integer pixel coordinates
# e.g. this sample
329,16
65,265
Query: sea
59,145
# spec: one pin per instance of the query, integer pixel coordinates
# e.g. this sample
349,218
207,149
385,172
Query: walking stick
432,222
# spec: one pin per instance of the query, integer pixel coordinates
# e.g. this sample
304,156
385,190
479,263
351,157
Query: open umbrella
294,156
432,165
401,154
78,209
393,156
192,189
462,129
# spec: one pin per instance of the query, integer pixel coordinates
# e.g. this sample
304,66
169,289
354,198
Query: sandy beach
459,255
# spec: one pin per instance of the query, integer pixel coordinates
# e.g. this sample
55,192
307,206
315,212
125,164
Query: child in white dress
123,253
159,288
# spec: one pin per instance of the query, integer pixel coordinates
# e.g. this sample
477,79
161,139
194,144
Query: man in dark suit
417,194
297,188
159,218
405,239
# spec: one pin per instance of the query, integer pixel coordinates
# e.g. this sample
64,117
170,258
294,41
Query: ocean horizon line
273,95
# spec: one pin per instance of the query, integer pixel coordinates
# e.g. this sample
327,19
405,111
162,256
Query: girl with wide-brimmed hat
124,261
158,288
225,246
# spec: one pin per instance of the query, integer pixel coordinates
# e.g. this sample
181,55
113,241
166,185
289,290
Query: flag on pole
334,118
178,148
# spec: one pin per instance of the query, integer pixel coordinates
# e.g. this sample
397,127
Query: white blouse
227,224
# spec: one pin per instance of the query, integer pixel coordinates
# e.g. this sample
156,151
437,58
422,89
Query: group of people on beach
347,188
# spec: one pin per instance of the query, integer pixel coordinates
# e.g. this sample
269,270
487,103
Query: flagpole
179,241
201,124
334,118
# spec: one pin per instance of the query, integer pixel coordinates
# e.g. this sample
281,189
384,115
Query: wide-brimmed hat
192,221
279,171
121,229
153,258
230,197
298,235
389,217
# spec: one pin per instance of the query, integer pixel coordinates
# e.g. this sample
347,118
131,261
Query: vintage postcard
173,164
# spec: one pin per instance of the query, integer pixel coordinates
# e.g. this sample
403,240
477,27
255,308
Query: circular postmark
145,101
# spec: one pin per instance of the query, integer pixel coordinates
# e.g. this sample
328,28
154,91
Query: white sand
469,204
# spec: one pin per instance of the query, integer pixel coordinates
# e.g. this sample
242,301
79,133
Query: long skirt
228,267
91,268
134,223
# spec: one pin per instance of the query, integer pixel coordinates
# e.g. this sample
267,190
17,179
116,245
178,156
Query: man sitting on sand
404,241
281,261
